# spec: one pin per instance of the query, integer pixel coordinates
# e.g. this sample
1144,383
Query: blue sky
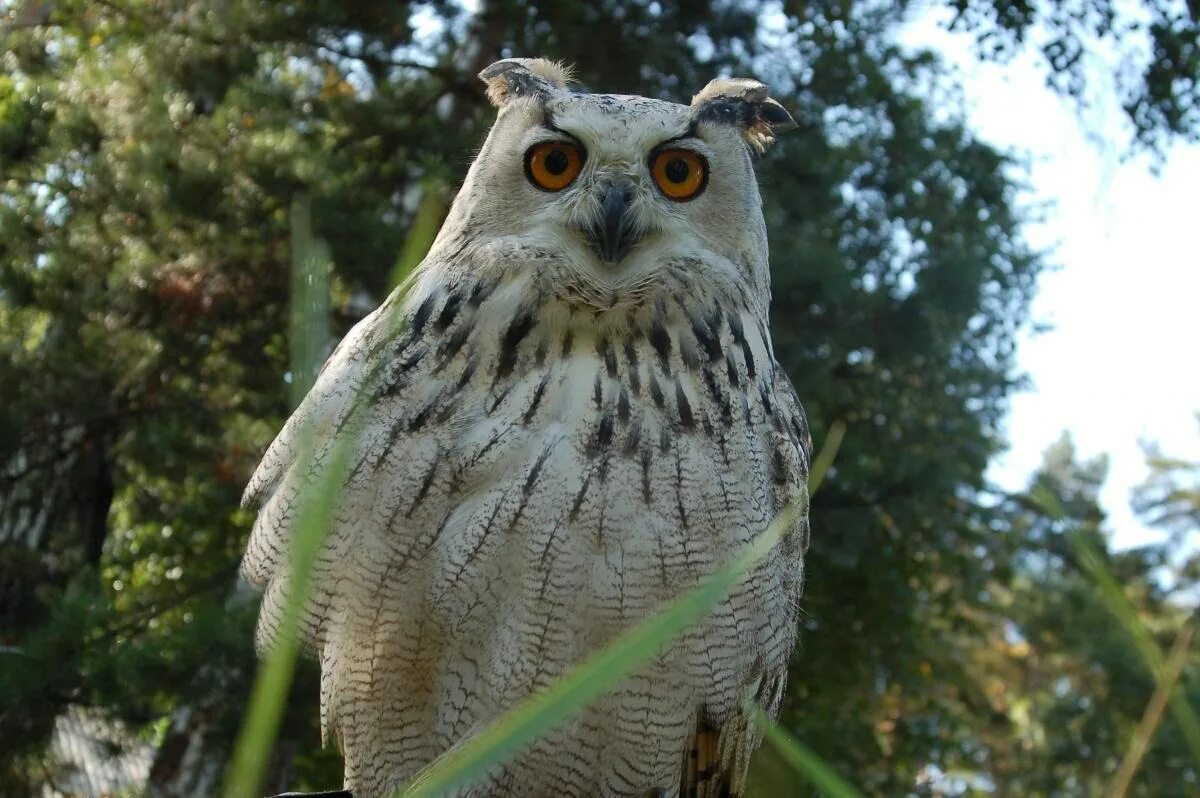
1120,365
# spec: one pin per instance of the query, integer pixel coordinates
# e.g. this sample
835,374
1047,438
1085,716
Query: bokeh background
165,165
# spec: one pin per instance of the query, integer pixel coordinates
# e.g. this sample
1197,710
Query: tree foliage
151,157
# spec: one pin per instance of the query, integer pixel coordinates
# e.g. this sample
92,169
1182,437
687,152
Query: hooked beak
611,234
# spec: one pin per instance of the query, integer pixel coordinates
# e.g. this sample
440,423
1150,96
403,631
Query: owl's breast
624,455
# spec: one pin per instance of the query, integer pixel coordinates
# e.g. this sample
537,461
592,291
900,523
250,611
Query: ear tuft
524,77
747,104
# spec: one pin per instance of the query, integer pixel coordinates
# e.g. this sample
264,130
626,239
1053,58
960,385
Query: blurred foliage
151,156
1148,52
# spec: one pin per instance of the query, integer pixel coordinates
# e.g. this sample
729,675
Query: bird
569,415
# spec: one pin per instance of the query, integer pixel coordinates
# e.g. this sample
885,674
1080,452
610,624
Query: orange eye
553,165
680,174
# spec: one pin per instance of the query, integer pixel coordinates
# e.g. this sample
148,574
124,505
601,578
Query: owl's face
618,187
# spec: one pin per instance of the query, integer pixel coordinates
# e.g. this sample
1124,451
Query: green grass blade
309,331
274,678
309,334
1116,602
802,758
1143,735
423,230
824,459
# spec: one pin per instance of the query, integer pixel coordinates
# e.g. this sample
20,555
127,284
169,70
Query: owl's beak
611,234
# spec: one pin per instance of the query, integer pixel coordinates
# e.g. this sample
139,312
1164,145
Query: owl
570,415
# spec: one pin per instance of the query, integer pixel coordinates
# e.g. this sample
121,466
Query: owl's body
546,445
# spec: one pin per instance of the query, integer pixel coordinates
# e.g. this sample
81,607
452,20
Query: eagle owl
570,415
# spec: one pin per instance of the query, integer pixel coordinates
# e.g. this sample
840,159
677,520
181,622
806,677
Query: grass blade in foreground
274,678
1139,744
801,757
603,670
1120,606
309,333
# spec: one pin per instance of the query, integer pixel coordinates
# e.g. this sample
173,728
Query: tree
1157,48
1066,677
1170,497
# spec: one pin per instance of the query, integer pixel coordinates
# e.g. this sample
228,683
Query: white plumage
570,416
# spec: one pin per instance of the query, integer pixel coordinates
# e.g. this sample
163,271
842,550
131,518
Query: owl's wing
717,756
350,411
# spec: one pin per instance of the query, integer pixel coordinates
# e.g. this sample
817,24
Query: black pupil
676,170
557,162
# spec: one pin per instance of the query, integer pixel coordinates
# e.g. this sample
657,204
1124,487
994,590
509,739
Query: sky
1120,365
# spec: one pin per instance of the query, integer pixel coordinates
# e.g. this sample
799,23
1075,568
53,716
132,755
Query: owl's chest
607,440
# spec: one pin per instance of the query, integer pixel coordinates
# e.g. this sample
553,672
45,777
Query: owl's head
619,186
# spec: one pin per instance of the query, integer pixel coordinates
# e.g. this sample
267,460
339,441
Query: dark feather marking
583,489
664,440
646,494
604,435
353,472
731,371
633,441
467,373
660,339
623,405
482,290
598,391
685,408
688,353
602,470
709,342
500,397
413,360
475,458
635,379
683,519
537,399
401,377
539,354
656,392
451,346
520,326
605,351
765,395
426,483
568,341
739,336
779,467
799,427
422,416
421,317
718,396
449,310
534,472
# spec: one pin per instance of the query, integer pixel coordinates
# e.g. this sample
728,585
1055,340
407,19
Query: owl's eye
679,174
553,165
